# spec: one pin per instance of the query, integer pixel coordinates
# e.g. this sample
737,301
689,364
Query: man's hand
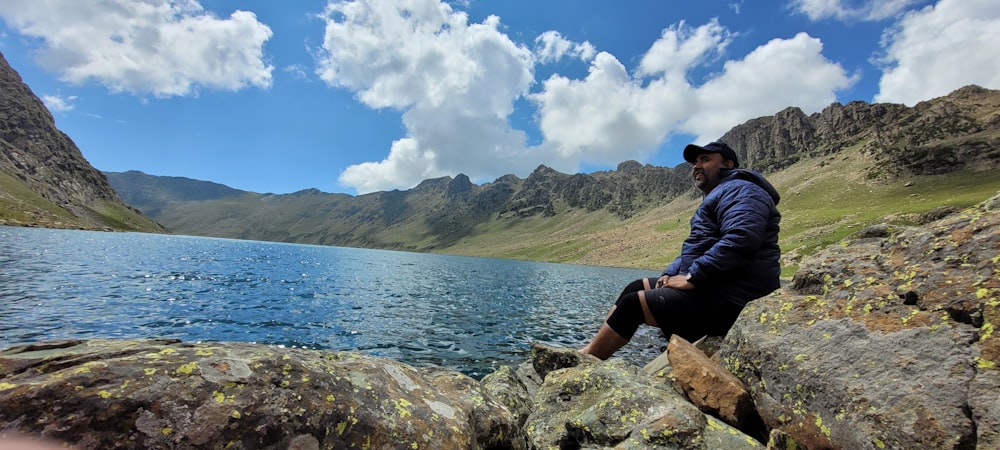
676,282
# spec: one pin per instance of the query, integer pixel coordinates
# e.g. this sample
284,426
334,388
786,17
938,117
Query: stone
613,405
779,440
506,386
141,394
712,389
546,358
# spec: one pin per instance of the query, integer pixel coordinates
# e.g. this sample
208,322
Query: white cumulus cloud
595,118
849,11
59,103
455,81
940,48
776,75
551,46
681,47
611,116
159,47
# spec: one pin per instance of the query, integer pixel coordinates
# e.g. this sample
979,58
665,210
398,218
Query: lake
464,313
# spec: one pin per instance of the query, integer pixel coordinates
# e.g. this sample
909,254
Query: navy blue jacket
733,246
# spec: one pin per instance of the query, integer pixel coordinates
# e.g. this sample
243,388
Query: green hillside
22,206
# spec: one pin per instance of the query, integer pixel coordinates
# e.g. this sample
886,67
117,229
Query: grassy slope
118,217
19,205
820,210
823,201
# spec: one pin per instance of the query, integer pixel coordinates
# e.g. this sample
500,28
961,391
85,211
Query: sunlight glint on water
468,314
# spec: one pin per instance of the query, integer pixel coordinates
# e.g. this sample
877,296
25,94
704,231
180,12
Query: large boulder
613,405
883,341
583,402
166,394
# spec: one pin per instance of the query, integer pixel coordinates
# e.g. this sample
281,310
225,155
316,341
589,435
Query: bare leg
607,341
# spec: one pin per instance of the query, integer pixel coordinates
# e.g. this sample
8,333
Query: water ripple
469,314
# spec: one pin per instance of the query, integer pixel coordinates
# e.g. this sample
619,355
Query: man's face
706,170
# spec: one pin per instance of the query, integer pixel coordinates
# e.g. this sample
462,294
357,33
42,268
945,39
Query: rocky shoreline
883,341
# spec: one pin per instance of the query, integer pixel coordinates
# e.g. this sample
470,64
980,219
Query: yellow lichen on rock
188,368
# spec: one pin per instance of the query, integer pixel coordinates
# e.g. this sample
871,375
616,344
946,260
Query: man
730,257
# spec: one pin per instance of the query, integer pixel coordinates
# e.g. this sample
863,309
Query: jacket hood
752,176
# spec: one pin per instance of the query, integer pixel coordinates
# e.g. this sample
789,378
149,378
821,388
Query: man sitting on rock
730,257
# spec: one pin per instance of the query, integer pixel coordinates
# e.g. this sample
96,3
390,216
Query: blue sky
363,96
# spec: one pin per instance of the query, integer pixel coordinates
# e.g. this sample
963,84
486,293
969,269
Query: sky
374,95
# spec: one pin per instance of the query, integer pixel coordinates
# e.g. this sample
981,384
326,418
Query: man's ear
728,163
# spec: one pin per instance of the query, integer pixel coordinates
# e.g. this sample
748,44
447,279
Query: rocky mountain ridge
44,178
935,136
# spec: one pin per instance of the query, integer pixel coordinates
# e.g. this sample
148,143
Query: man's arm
674,267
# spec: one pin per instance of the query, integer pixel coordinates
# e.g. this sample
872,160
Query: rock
779,440
660,366
611,404
709,345
840,360
166,394
661,370
17,442
506,386
712,389
881,230
936,214
545,358
532,380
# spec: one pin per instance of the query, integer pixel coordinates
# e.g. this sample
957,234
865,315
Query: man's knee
627,316
635,286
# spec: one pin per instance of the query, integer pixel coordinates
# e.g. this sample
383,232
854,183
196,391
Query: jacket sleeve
742,214
673,268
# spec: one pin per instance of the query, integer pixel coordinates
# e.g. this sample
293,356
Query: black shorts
689,314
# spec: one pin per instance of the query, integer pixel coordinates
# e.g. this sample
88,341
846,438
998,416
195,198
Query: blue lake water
464,313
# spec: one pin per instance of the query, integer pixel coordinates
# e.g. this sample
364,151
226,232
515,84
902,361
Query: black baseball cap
692,151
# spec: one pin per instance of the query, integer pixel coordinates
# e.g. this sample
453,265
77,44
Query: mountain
433,215
154,193
955,132
845,167
44,179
